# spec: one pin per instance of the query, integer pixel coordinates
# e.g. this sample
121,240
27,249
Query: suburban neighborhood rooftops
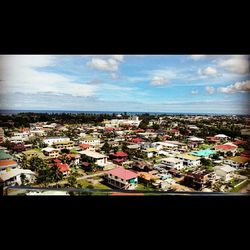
62,142
122,173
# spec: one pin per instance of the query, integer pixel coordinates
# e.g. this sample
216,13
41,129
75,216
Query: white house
221,137
189,160
51,140
95,157
172,162
13,176
237,161
51,152
150,152
224,171
90,140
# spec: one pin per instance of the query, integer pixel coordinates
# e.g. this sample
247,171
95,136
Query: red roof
118,160
240,142
122,173
137,140
84,146
174,130
7,163
57,161
120,154
225,147
63,167
139,130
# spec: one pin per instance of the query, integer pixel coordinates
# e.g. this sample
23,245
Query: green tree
106,147
35,163
23,179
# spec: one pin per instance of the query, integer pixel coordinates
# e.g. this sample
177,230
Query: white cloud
106,63
159,81
237,64
27,74
194,92
210,90
208,71
243,86
118,57
198,57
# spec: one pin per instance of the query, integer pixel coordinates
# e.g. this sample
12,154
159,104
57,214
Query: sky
140,83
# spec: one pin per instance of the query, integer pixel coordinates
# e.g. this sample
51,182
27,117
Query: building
224,171
237,161
51,140
90,140
119,157
150,152
94,157
115,123
8,164
172,162
122,178
63,145
226,148
51,152
33,153
222,137
13,176
189,160
63,167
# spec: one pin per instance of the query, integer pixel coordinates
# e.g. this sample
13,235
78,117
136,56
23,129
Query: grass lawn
85,183
141,186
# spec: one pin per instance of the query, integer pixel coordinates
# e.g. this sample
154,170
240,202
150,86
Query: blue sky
157,83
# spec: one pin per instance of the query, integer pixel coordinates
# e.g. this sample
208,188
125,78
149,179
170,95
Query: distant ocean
9,112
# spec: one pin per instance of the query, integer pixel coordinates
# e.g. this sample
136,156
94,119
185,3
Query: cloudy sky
169,83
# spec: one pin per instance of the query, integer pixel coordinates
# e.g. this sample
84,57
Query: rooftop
7,163
122,173
188,157
171,159
92,154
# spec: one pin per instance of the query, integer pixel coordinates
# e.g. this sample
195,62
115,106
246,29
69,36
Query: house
63,167
74,158
94,157
146,178
196,179
13,176
137,140
245,153
90,140
189,160
226,148
237,161
150,152
63,145
172,162
221,137
85,146
122,178
119,157
51,140
8,164
224,171
51,152
142,165
194,141
33,153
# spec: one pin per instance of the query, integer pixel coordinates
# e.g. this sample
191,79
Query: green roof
4,156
